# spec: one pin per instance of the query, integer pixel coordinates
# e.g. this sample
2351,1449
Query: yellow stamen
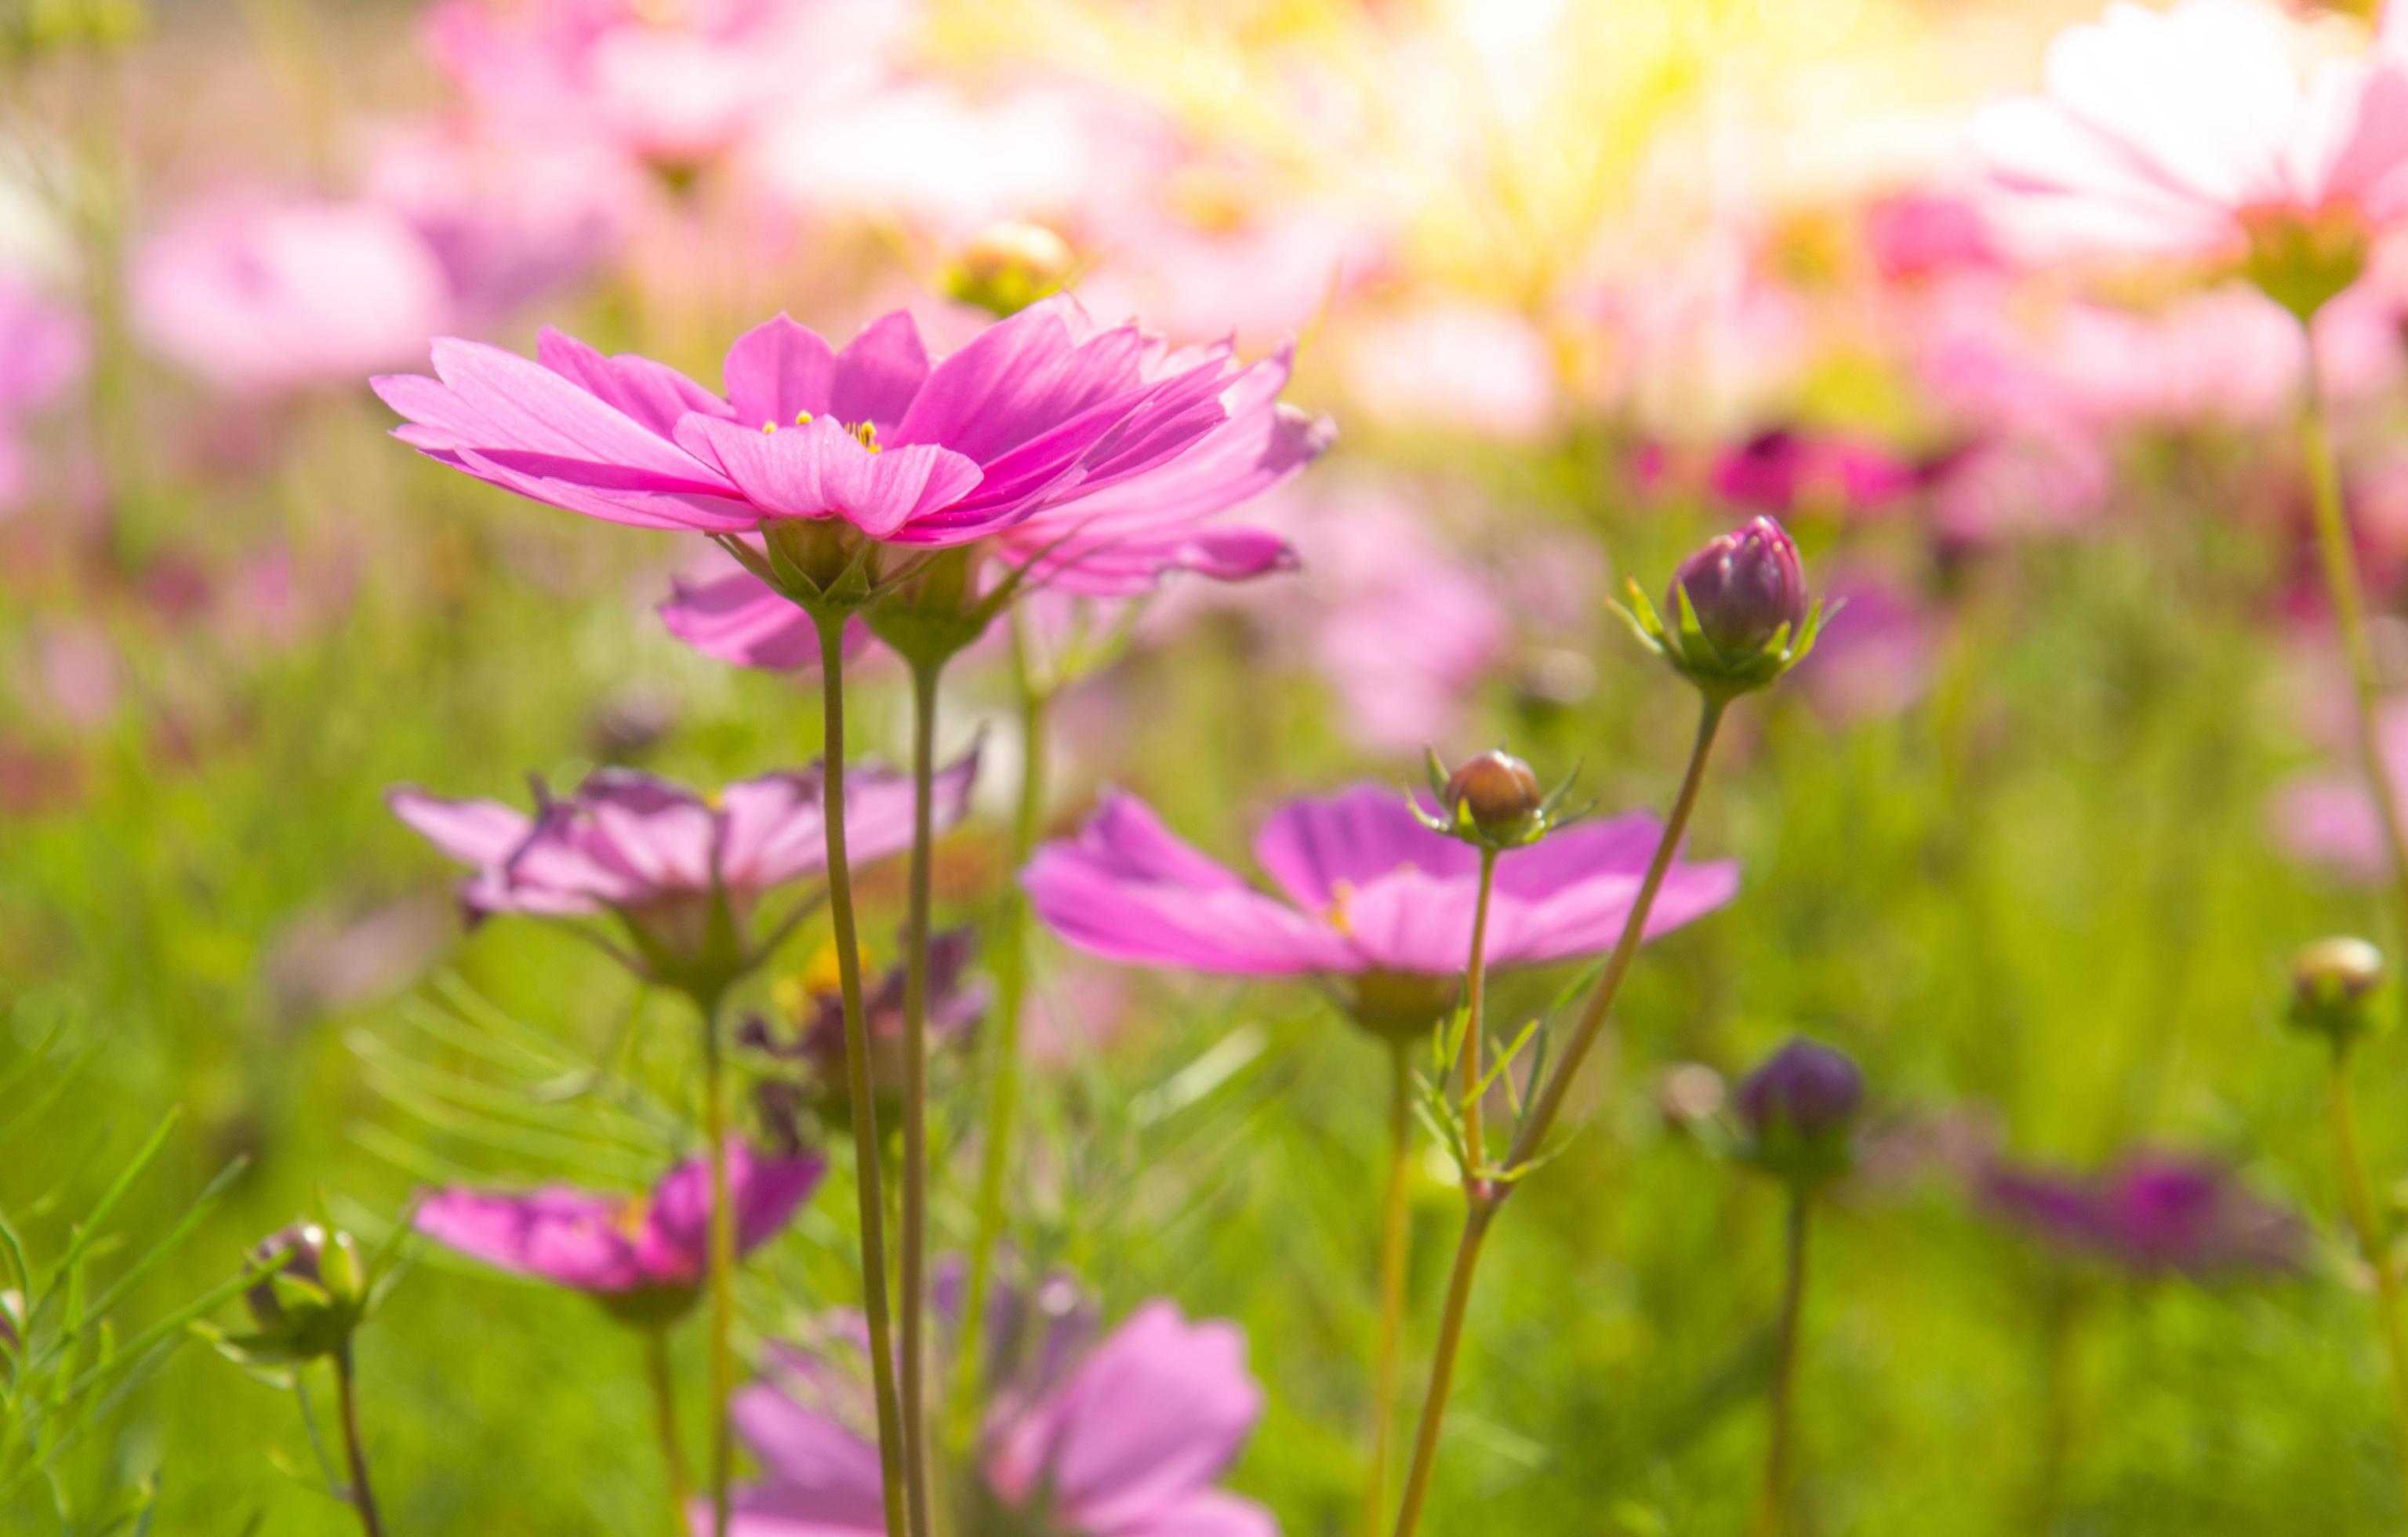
633,1213
802,419
1341,894
768,426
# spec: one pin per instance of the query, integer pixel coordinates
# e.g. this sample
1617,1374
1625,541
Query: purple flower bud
1499,791
1744,586
1806,1091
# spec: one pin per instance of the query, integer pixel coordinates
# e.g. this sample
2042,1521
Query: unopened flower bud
1498,791
313,1301
1008,267
2333,983
1744,586
1798,1111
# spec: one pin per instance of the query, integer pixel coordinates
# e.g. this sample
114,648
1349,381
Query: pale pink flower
1456,367
42,354
2194,132
260,296
2327,818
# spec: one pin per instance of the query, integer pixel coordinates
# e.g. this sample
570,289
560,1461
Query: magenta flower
1040,411
1782,471
2152,1213
42,353
260,296
648,1253
1087,541
2192,133
1368,899
1122,1439
681,871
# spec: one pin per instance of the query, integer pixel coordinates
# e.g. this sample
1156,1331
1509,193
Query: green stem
2358,1203
856,1062
915,1095
1395,1232
723,1267
1475,987
1772,1500
664,1385
2341,590
347,1401
1544,1108
1003,1066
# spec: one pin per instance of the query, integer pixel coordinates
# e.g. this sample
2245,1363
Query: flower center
864,433
2301,258
1342,897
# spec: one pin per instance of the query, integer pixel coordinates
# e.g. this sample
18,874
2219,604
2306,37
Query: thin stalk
2341,590
1475,987
915,1096
2358,1203
1003,1067
362,1498
664,1385
856,1063
723,1270
1773,1499
1544,1108
1396,1230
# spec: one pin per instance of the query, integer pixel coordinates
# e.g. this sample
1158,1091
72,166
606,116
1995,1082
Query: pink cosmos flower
1112,541
1042,411
650,1252
1781,472
260,296
2192,132
673,83
1368,897
661,857
509,220
2327,818
41,355
2152,1213
1920,236
1125,1438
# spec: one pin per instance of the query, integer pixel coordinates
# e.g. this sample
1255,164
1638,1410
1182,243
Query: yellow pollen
802,419
823,974
1341,894
633,1213
768,426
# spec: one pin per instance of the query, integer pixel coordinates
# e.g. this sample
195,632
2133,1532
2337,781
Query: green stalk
346,1398
1773,1498
1395,1232
1486,1200
2341,590
915,1095
2358,1203
723,1267
1003,1066
664,1386
856,1062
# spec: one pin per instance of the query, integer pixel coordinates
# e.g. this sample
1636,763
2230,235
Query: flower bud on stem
1487,1199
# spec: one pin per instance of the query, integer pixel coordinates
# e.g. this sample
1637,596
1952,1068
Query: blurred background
2032,835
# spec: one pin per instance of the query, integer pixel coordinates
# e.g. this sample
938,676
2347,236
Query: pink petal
821,470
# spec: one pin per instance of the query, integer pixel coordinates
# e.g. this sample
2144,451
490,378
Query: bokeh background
2032,836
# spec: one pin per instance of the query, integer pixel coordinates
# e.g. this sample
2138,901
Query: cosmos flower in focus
1368,899
1120,1437
644,1256
2200,133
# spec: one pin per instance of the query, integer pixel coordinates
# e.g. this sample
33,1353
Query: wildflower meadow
1111,768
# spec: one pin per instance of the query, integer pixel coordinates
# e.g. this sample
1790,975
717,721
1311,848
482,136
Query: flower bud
311,1303
1744,586
1498,791
1008,267
2333,981
1798,1111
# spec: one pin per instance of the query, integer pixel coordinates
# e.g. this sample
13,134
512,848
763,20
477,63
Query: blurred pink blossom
672,82
1782,471
1121,1438
258,294
2189,132
1917,236
1453,367
647,1249
42,354
1876,652
511,221
2327,818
